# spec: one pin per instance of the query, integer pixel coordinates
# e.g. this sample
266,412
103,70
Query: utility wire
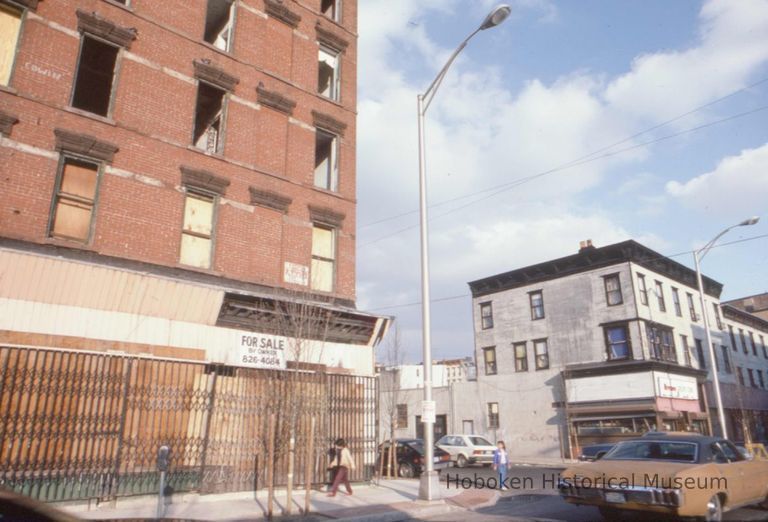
462,296
587,156
520,181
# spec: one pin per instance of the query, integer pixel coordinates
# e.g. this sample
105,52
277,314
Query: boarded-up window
209,118
326,162
74,200
10,25
328,73
323,258
218,23
197,234
94,77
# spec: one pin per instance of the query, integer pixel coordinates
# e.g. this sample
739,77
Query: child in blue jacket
501,463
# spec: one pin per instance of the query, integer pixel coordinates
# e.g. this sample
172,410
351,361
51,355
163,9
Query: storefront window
627,425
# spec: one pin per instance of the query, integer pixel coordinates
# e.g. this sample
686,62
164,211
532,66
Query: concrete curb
407,512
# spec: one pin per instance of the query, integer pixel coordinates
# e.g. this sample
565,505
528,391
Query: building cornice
592,258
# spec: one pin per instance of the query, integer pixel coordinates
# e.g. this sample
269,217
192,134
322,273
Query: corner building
607,344
178,191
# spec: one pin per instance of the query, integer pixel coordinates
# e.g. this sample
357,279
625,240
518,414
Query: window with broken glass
328,73
94,78
219,23
331,9
326,160
74,200
209,118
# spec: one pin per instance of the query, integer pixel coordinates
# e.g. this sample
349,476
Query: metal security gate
77,425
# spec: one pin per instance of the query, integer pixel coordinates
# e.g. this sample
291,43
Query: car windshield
417,445
653,450
479,441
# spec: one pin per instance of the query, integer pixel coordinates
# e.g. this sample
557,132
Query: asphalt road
536,498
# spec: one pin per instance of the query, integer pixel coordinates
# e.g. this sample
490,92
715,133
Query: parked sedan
410,457
468,449
668,474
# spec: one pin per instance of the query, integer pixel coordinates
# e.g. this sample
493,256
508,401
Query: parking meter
163,461
163,458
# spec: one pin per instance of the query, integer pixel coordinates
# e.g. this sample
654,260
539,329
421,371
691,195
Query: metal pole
161,497
708,334
429,485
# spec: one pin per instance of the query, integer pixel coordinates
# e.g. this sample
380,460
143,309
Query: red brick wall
140,205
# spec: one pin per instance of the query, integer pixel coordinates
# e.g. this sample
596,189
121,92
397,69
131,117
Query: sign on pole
428,411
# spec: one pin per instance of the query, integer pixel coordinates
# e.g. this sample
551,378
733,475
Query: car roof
703,442
679,436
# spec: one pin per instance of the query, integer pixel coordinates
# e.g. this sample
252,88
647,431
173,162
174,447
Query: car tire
405,470
461,461
714,510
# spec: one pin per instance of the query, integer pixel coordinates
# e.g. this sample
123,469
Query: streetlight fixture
429,485
698,255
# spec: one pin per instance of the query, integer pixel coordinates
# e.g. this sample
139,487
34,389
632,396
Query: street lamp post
429,485
698,255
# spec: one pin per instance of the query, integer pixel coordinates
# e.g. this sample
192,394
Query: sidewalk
391,501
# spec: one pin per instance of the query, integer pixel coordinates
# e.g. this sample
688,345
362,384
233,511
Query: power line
520,181
608,147
462,296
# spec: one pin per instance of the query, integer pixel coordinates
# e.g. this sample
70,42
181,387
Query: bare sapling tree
391,395
297,396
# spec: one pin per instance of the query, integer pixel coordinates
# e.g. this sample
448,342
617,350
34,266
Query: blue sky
556,83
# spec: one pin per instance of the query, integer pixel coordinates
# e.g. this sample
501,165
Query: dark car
18,508
594,452
410,457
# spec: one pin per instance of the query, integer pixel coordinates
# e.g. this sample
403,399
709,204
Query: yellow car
682,475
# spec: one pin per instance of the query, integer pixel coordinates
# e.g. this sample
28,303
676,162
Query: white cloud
480,133
732,44
738,186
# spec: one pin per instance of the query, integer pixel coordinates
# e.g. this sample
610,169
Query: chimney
585,245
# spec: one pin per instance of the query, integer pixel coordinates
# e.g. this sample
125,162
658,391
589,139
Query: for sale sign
261,351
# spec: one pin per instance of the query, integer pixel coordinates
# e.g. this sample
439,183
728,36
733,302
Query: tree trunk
291,461
271,467
308,465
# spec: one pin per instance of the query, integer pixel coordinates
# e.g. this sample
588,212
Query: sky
592,119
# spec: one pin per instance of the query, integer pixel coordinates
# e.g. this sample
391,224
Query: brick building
178,182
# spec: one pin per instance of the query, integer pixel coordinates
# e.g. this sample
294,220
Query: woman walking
345,464
501,463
